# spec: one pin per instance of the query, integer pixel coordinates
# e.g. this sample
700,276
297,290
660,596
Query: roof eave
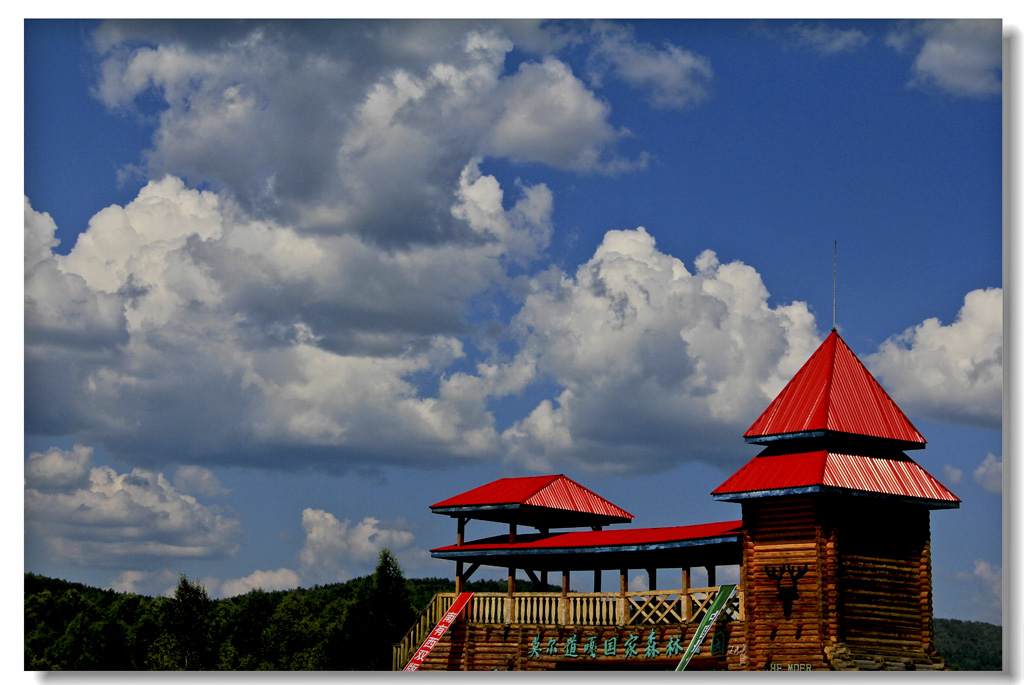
816,489
823,433
454,554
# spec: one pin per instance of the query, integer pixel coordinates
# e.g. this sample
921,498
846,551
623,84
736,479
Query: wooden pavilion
833,551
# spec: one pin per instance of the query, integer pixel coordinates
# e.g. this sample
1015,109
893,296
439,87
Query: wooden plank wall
487,647
885,580
779,532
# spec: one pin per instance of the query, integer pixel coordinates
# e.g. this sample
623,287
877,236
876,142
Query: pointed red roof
543,501
834,392
893,474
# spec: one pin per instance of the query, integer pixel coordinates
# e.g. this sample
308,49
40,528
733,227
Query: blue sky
288,284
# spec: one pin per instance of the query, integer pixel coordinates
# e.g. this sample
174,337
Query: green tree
187,624
381,614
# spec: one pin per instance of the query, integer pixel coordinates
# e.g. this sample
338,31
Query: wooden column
623,586
510,605
652,579
458,577
544,578
564,601
687,605
711,576
597,580
512,533
460,538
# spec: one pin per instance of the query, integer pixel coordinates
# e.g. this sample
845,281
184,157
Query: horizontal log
894,564
785,546
853,609
910,557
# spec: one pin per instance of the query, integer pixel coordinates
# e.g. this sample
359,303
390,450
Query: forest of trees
343,626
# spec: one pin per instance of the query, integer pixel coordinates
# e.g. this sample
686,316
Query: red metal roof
602,538
555,492
896,475
833,391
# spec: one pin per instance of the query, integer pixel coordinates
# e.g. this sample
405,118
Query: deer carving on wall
786,594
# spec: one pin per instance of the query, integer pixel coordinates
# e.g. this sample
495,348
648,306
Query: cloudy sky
286,284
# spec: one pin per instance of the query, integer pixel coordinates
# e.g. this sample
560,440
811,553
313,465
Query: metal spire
835,259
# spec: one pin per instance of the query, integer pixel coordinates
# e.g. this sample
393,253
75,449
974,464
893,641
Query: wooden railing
438,606
577,608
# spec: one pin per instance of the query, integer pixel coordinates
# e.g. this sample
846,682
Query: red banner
438,632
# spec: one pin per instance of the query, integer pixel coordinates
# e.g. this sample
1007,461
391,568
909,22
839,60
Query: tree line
344,626
336,627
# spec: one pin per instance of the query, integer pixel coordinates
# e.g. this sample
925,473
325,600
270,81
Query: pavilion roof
890,475
553,501
707,543
834,394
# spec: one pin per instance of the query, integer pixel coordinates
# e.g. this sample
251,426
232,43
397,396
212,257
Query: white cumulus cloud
952,372
358,127
827,40
57,469
962,57
672,76
989,474
248,330
269,581
333,547
195,480
117,519
984,589
699,355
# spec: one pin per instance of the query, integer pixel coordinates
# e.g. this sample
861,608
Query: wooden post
687,604
510,604
458,577
652,579
544,578
460,538
711,576
623,585
564,601
512,533
597,580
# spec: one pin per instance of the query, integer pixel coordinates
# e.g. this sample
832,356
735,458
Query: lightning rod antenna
835,259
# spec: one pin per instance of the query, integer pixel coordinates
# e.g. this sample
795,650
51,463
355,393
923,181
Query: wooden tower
836,543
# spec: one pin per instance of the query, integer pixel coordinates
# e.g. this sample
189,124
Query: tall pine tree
380,616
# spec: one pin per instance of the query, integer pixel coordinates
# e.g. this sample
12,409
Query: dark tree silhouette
187,623
380,616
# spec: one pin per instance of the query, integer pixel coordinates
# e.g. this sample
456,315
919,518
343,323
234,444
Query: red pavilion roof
834,392
895,474
542,501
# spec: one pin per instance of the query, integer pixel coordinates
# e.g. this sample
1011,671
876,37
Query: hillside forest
337,627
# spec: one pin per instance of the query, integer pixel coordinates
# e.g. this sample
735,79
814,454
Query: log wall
885,580
488,647
865,599
785,576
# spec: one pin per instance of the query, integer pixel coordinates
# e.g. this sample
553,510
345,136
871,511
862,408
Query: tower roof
541,501
834,393
889,475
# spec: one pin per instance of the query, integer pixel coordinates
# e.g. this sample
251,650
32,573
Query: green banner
725,593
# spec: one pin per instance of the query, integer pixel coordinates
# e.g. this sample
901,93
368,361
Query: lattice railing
578,608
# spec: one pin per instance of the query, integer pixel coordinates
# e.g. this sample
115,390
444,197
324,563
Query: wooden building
833,551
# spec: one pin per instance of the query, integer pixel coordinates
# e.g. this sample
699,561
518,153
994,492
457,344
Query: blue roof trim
604,549
824,433
759,439
475,507
814,489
